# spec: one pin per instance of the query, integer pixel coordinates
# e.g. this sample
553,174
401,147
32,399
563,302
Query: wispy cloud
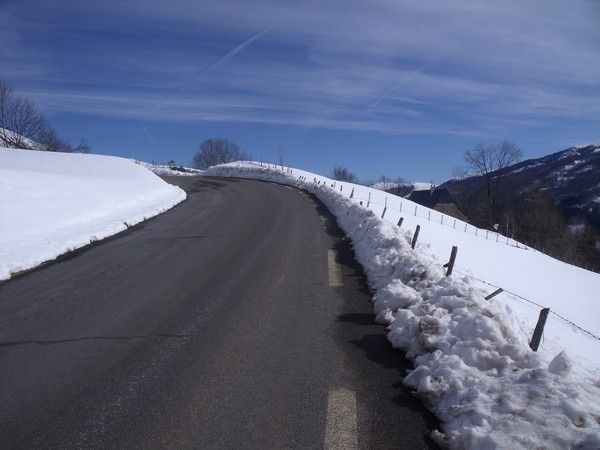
392,66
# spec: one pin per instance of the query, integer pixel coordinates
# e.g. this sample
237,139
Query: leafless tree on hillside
21,123
281,154
491,161
51,142
340,173
384,182
218,151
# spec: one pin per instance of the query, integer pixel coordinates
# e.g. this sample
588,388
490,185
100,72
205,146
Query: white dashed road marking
335,271
341,431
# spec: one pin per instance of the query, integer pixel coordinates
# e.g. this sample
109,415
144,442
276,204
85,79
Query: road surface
239,319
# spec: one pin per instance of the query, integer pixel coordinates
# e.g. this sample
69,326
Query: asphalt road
239,319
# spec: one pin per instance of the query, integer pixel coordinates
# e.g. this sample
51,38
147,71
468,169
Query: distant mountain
571,176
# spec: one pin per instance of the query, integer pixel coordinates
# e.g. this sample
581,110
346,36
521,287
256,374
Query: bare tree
218,151
281,154
491,162
340,173
51,142
21,123
384,182
458,172
82,147
400,185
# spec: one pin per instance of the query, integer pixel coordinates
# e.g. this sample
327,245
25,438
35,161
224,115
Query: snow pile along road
52,203
473,365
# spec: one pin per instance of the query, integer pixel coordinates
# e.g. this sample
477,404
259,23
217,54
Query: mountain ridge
570,176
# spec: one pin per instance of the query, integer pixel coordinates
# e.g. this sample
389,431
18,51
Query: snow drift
52,203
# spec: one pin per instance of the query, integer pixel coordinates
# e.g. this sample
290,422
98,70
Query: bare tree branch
340,173
491,161
218,151
22,125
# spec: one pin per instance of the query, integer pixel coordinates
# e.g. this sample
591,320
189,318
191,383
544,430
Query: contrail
147,133
406,80
231,53
432,62
385,95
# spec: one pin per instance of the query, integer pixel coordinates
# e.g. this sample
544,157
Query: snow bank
473,365
52,203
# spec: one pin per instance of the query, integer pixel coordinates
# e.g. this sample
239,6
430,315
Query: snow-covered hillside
473,365
51,203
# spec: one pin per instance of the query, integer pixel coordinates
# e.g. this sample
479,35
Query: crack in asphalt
95,338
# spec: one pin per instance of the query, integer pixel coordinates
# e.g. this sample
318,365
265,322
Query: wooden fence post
539,330
352,193
450,264
369,201
415,237
400,221
383,213
496,292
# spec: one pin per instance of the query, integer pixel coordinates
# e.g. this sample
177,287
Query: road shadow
361,332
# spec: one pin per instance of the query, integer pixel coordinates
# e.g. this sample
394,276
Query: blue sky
392,87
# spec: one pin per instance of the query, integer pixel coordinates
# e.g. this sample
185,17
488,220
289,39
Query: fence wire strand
533,303
590,334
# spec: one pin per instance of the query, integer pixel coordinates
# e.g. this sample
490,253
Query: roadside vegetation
24,126
523,208
218,151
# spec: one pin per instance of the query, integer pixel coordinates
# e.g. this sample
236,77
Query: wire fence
520,297
364,197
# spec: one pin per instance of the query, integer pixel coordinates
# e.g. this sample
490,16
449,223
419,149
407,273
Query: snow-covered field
473,365
51,203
